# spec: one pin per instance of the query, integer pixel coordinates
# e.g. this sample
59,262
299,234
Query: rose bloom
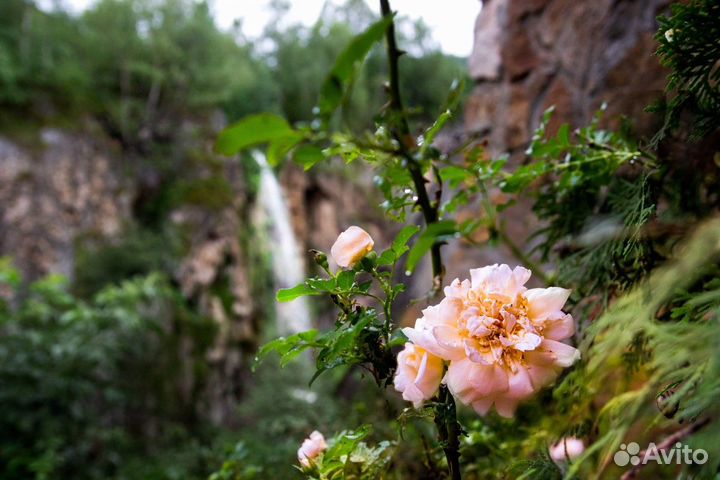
568,448
351,246
311,448
418,374
503,341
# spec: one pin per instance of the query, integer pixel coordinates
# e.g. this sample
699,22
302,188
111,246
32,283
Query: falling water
287,264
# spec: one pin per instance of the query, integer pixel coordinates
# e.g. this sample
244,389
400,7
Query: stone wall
65,186
574,54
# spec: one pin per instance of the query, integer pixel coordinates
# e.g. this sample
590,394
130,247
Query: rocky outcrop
574,55
324,202
67,185
215,277
73,186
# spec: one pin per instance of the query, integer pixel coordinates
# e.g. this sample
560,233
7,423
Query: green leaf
563,136
457,88
404,237
278,150
307,156
431,133
287,347
254,130
387,257
523,177
427,239
321,284
345,280
454,175
399,246
8,274
290,294
346,65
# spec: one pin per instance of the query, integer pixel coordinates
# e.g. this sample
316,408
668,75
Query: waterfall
287,264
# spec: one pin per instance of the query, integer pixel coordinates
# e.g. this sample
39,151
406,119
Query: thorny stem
401,132
448,431
445,416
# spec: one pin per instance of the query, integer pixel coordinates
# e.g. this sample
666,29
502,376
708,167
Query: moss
138,251
214,193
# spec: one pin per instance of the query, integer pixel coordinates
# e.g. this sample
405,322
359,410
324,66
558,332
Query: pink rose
351,246
418,374
569,448
311,448
504,342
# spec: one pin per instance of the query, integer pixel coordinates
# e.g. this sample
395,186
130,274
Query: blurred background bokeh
139,268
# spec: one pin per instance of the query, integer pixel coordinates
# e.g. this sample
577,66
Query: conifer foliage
638,245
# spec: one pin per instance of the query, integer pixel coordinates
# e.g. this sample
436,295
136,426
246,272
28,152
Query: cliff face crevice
573,55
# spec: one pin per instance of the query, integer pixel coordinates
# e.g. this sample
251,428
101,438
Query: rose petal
457,382
499,281
487,380
457,289
563,355
492,280
449,339
521,275
541,375
446,312
482,406
418,374
506,406
559,328
543,302
528,341
520,384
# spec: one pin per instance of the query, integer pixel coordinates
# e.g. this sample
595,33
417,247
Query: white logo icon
627,454
678,454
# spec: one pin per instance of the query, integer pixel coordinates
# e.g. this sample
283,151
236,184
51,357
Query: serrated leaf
386,258
454,174
457,88
563,136
254,130
321,284
290,294
435,128
307,156
287,347
404,237
346,65
399,245
345,280
278,150
365,286
427,239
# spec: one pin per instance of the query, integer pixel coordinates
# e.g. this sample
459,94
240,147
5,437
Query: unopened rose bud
569,448
351,246
311,448
320,258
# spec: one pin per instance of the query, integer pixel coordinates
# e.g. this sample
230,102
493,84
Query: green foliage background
94,375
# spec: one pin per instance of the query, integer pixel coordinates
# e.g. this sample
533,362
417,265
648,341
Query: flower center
497,329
